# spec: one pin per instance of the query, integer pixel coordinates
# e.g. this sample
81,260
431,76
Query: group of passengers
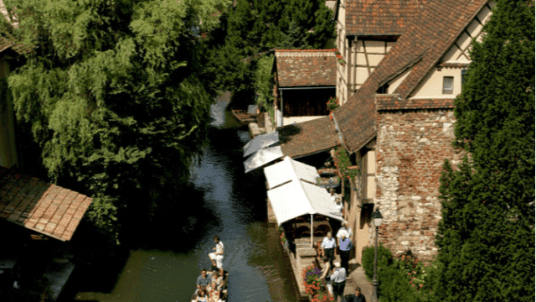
210,284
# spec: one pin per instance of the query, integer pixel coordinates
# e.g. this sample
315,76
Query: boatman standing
217,257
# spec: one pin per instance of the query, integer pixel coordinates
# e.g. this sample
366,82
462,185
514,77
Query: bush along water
403,278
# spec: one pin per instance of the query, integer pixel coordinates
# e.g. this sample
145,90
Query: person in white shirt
339,206
344,228
217,257
333,195
328,247
338,280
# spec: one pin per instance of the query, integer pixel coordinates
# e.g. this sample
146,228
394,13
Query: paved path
357,278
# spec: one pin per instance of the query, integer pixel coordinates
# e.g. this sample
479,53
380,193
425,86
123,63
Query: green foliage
264,84
113,93
385,258
393,286
342,162
405,279
411,268
260,25
294,38
486,236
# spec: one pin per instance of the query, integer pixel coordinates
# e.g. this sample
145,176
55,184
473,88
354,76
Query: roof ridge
447,46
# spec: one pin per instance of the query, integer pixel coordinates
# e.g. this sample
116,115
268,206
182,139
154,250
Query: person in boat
202,295
203,280
217,257
215,286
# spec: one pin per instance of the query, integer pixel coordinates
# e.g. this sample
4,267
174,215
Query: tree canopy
486,236
257,26
113,93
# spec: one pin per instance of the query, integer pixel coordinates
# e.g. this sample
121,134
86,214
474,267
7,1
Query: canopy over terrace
40,206
297,198
262,157
289,170
261,141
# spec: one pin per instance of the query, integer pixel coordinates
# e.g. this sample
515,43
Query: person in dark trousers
345,245
357,297
328,248
338,280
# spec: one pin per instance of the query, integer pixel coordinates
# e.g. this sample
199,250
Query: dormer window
448,85
383,89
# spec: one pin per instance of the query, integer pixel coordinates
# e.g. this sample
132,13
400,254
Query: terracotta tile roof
380,17
390,102
40,206
7,42
306,67
419,49
308,137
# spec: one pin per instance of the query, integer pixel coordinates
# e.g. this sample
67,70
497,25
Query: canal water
235,206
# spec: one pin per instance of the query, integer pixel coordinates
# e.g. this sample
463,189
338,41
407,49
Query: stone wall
410,152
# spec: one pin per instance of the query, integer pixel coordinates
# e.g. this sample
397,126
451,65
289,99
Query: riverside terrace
292,199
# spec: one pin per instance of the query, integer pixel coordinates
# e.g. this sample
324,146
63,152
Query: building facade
397,115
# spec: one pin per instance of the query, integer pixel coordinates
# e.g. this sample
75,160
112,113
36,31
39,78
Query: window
448,83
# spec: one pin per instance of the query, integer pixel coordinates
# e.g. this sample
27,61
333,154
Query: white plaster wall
300,119
432,85
342,93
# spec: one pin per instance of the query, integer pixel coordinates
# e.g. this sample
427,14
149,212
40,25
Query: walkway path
357,278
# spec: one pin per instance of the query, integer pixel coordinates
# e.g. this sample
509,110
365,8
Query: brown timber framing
355,65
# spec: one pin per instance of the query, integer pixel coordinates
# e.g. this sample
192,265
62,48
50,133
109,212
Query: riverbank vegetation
117,94
114,96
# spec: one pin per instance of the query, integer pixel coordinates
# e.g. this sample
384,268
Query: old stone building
406,62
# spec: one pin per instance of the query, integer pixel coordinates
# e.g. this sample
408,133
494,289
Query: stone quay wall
411,148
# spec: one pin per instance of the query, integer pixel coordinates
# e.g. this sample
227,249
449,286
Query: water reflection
236,207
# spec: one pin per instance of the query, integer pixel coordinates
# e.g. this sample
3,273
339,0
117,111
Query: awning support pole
311,230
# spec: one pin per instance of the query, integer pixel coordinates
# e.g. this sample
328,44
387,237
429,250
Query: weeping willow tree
112,93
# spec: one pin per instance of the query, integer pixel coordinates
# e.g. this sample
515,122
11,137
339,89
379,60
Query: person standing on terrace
328,247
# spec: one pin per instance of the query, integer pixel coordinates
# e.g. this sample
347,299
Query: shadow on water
160,260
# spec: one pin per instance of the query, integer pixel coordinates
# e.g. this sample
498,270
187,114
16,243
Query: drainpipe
340,135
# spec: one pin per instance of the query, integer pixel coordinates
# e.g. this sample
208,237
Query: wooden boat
224,294
244,117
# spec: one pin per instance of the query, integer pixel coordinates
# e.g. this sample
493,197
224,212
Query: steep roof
40,206
419,49
306,67
380,17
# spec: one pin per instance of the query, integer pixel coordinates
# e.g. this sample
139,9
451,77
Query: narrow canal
235,206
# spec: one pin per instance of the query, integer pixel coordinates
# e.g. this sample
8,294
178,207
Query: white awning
288,170
261,141
262,157
298,198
